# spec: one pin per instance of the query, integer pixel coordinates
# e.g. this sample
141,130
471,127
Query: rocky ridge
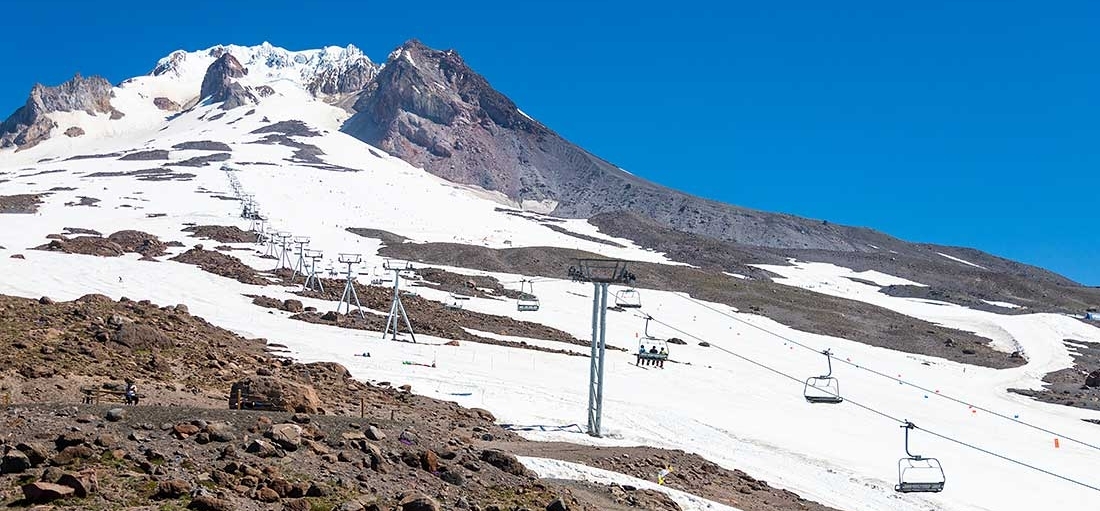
29,125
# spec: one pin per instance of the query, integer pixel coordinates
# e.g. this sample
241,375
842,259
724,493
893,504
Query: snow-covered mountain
207,131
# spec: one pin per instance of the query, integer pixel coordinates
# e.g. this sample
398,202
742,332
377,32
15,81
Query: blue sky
971,123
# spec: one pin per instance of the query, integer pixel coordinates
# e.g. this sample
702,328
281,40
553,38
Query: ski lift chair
527,302
917,474
628,299
649,340
824,388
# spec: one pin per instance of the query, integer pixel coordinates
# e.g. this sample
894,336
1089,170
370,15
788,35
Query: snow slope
708,402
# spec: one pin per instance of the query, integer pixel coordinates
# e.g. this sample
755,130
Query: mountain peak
30,124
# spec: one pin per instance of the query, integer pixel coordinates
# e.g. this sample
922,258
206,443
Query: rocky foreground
322,440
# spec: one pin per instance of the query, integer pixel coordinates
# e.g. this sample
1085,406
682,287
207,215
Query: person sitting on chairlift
661,361
641,351
653,355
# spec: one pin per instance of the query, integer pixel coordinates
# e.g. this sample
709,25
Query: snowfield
706,401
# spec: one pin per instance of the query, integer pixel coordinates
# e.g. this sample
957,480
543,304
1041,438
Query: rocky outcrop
219,86
431,109
74,131
29,125
166,104
351,72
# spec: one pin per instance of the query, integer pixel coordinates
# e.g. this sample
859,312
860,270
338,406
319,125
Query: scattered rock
36,453
261,449
210,503
288,436
45,300
172,488
293,306
166,104
557,505
71,454
83,483
1093,379
116,414
375,434
266,494
416,501
503,461
74,131
41,492
14,462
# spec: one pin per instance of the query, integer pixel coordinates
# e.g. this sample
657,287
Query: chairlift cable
887,376
891,417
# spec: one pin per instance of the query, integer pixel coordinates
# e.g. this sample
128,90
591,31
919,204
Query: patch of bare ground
433,318
692,473
68,231
348,443
1077,386
222,233
204,145
118,243
26,204
386,237
221,264
798,308
567,232
202,161
481,286
159,174
84,201
304,153
40,173
153,154
292,127
93,156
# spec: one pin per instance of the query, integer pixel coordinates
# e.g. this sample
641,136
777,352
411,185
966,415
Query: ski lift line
892,378
891,417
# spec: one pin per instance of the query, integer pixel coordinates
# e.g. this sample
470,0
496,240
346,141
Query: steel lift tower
601,273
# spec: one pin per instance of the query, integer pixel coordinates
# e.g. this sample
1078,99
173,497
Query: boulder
45,300
557,505
293,306
83,483
41,492
71,454
288,436
503,461
220,432
184,430
416,501
266,494
14,462
1093,379
429,461
330,316
274,393
116,414
261,449
210,503
172,488
375,434
36,452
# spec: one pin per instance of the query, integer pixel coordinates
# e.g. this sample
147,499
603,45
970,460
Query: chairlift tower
248,206
349,287
601,273
300,244
256,221
396,307
284,249
269,239
313,282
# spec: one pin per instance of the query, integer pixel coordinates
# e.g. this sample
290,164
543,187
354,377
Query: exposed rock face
218,85
429,108
166,104
29,125
352,72
74,131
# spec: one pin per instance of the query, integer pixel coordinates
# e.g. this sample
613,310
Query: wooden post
362,407
7,398
238,401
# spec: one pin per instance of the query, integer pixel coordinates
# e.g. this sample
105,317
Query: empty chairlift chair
824,388
917,474
628,299
527,301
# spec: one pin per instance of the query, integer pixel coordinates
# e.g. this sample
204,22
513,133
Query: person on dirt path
131,393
